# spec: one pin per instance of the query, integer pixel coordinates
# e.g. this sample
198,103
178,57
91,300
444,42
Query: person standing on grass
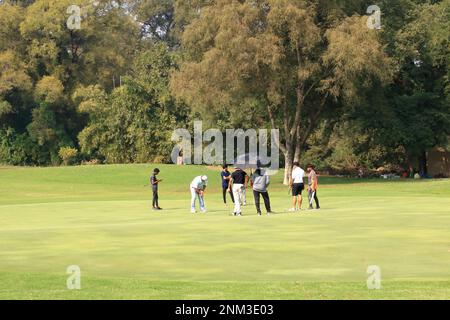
297,185
226,176
239,179
313,184
198,187
154,183
259,183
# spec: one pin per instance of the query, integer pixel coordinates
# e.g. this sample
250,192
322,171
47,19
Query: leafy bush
50,90
19,149
344,148
67,155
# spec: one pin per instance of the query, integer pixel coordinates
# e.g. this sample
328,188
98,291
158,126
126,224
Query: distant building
439,162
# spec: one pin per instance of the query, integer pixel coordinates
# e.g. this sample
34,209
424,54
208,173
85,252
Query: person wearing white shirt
297,185
198,187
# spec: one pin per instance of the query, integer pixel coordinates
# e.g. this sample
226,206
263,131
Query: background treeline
344,96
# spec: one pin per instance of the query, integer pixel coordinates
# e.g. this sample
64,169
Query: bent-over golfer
198,187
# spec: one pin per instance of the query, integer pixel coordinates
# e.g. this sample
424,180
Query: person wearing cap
259,182
313,184
239,179
154,183
198,187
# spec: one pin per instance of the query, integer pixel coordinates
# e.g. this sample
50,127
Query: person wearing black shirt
154,183
226,176
238,180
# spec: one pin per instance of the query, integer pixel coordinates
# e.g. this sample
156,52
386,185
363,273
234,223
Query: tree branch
312,122
272,121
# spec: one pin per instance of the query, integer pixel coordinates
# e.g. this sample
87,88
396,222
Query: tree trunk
288,162
298,146
423,164
287,172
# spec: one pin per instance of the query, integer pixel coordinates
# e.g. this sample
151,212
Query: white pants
194,195
238,191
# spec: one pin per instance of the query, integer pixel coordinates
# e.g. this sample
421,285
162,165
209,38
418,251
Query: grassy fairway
100,219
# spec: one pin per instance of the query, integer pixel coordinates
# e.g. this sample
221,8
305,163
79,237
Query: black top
239,177
154,181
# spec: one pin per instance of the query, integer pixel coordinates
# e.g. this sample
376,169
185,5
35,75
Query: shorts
297,189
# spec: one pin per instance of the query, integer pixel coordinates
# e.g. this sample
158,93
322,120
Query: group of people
297,186
236,184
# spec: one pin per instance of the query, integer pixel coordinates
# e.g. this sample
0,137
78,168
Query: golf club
312,198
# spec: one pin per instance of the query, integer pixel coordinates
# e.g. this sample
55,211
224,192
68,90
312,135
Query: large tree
135,122
287,57
41,56
420,117
165,20
95,52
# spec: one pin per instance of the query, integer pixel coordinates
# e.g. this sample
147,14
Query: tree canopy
112,79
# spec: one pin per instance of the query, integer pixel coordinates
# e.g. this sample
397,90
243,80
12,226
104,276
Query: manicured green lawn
100,219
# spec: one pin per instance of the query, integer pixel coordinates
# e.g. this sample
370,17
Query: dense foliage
343,95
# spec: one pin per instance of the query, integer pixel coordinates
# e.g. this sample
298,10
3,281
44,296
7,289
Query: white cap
204,178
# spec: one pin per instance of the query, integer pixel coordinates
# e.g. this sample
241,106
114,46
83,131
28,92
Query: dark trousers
225,190
266,198
316,199
155,198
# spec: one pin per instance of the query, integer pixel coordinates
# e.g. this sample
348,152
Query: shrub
67,155
19,150
159,160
